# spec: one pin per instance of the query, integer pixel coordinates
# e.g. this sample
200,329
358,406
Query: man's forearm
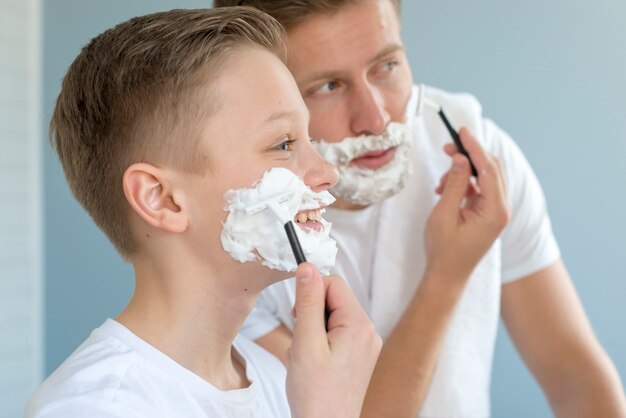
461,228
596,392
406,363
552,333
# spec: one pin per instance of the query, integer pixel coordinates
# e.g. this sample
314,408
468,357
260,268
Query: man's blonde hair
137,92
291,12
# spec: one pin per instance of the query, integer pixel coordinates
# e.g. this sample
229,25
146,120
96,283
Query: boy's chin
257,276
274,276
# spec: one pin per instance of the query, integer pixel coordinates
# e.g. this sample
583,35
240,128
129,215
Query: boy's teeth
314,215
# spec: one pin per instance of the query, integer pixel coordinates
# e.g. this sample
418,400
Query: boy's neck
192,317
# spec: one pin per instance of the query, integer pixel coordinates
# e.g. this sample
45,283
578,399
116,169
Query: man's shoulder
454,101
464,109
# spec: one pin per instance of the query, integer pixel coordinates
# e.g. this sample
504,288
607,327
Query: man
435,304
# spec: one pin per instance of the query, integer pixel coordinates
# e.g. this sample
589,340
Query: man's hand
328,372
470,216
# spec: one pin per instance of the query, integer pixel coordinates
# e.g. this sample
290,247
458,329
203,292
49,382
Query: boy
157,119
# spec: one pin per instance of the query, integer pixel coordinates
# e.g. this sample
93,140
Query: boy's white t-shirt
385,273
114,373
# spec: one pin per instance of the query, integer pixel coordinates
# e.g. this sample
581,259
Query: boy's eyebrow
284,114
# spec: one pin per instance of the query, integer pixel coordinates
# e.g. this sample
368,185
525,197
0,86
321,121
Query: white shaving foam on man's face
261,236
364,186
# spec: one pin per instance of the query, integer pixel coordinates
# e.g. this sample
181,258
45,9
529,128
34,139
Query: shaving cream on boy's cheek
365,186
261,236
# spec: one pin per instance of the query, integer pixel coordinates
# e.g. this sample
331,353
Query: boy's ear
152,197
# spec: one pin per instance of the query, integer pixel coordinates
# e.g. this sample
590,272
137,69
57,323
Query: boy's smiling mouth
253,232
310,219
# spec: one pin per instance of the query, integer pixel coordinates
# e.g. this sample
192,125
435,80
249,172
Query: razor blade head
422,101
260,207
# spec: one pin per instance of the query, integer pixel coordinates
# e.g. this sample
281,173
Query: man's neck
192,316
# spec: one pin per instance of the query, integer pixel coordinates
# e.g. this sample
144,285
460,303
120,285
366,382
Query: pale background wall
551,73
21,355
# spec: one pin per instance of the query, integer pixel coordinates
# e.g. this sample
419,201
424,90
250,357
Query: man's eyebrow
328,75
322,75
386,51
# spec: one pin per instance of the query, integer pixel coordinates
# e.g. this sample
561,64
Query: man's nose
369,115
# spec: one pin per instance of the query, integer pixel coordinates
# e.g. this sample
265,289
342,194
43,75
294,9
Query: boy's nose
321,175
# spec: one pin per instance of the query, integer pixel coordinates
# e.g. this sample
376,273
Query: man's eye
390,66
327,87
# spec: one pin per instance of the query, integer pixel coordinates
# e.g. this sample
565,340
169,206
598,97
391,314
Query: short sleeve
528,242
83,406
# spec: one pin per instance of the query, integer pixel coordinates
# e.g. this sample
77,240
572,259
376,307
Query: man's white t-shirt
385,272
114,373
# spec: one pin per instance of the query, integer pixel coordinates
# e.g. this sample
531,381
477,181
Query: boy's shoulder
114,373
93,378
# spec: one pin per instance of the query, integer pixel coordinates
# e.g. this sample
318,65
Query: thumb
309,329
457,182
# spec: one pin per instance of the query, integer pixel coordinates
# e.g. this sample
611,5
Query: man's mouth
374,160
310,219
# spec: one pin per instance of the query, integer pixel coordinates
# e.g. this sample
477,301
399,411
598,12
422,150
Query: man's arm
548,325
406,363
276,342
462,227
408,358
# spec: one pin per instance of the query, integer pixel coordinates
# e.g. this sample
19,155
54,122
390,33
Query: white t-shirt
114,373
461,383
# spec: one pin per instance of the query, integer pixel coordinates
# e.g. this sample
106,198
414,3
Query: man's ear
152,197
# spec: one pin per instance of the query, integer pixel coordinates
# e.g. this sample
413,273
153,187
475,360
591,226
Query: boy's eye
285,145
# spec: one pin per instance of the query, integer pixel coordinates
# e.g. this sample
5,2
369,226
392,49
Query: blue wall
86,281
551,73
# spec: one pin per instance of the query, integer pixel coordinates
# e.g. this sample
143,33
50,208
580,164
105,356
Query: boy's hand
469,217
328,373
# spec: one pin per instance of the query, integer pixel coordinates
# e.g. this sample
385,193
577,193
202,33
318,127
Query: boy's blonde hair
137,92
291,12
